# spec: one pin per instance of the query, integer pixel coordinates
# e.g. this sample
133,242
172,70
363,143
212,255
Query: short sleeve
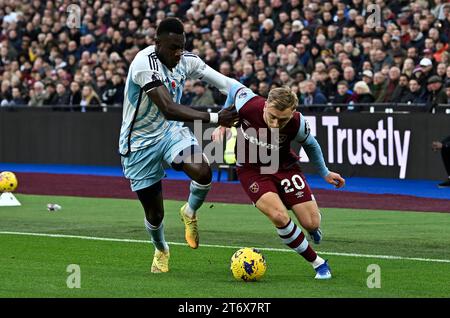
145,72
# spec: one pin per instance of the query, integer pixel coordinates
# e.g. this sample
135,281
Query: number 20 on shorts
296,182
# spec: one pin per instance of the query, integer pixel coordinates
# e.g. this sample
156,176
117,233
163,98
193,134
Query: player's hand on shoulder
335,179
218,134
228,116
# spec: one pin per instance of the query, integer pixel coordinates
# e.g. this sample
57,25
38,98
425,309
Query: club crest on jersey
254,187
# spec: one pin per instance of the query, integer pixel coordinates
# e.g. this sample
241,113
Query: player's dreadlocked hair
170,25
282,98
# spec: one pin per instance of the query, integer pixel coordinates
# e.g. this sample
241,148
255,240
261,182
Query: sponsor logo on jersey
280,138
242,94
155,77
299,194
260,143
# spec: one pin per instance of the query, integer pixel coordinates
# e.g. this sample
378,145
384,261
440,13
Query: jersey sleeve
145,72
238,95
312,147
195,66
197,69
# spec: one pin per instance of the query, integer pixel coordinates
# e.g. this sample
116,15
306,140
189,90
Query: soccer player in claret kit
273,124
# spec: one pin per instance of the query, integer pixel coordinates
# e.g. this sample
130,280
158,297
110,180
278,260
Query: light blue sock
157,235
197,195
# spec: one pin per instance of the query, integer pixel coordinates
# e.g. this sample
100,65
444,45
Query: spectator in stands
444,147
350,76
362,94
381,58
188,93
263,89
417,38
402,89
248,76
17,99
89,99
367,76
396,48
203,95
115,92
313,95
5,91
437,94
75,94
293,66
38,95
344,96
335,33
427,68
394,77
415,95
62,97
447,90
379,87
102,89
331,84
271,67
50,91
408,67
441,71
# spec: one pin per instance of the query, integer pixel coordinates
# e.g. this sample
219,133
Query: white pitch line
93,238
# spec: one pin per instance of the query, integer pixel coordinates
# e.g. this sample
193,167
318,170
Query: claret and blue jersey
251,108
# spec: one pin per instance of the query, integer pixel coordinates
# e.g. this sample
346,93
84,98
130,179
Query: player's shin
197,196
292,236
157,235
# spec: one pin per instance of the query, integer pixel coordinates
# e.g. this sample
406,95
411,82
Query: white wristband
213,118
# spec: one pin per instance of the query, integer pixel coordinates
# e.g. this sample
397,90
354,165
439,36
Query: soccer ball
248,264
8,181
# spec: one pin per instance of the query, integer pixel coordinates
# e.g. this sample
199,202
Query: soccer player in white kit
152,131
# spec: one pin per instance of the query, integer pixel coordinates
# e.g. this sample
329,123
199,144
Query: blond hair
282,98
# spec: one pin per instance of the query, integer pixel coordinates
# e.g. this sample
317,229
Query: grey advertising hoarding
371,145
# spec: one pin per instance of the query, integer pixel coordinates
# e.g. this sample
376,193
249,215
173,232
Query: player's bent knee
311,224
154,218
204,175
279,217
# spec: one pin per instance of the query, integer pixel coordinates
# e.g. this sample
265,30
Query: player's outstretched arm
173,111
314,152
223,83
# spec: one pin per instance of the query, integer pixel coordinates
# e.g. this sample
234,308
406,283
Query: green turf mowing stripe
34,266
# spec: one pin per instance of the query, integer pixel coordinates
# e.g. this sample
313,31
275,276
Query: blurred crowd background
334,52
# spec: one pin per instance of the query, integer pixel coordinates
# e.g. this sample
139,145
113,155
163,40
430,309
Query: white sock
317,262
190,212
157,235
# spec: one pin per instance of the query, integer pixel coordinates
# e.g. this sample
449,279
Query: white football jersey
143,124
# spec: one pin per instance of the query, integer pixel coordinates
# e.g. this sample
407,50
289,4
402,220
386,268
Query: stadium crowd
328,51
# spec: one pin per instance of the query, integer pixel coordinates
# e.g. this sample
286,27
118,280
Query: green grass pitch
35,266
